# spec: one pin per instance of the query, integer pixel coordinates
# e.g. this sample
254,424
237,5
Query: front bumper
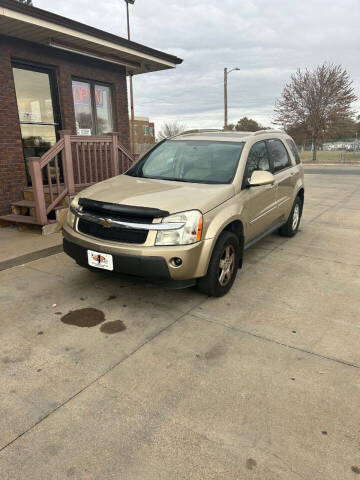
148,267
147,261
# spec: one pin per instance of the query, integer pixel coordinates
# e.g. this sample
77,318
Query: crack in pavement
340,202
208,319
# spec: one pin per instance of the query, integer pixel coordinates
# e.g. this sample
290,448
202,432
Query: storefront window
38,110
83,108
103,109
92,103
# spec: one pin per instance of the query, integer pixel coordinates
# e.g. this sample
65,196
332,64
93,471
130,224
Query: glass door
38,109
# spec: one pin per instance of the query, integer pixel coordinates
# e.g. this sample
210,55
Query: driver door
261,201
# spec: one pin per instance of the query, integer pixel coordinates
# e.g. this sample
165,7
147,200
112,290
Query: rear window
294,150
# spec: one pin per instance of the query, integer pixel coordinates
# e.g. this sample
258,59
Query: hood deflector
125,210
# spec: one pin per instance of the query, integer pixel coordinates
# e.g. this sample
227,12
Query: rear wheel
223,266
290,228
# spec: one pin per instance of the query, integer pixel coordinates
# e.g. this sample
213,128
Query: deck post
67,162
38,189
115,153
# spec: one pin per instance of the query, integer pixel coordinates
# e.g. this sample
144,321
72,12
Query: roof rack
259,132
199,130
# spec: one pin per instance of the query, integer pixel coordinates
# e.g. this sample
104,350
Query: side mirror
261,177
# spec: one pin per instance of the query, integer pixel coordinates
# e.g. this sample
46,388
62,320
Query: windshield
198,161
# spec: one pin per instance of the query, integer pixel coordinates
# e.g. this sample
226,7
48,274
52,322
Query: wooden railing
74,162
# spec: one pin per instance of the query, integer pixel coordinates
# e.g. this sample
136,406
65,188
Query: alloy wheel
296,217
226,265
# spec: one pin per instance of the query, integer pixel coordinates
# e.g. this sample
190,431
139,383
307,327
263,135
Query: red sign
98,97
81,95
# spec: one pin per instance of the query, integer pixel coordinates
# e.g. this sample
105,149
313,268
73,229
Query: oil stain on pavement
113,327
84,317
91,317
250,463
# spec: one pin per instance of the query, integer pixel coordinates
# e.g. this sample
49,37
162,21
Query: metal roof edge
83,28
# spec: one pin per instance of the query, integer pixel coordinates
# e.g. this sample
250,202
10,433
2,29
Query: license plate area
100,260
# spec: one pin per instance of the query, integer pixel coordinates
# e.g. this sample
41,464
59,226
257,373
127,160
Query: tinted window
278,155
199,161
294,150
257,159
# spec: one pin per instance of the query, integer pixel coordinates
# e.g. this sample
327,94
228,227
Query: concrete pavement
260,384
18,247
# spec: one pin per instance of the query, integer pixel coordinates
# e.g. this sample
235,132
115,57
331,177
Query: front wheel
290,228
223,266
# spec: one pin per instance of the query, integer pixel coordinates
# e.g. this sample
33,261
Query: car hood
163,194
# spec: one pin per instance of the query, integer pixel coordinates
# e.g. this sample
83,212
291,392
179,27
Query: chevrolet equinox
185,212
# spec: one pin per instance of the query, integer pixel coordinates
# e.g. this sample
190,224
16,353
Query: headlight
189,233
70,219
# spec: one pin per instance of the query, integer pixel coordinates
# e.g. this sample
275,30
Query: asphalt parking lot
260,384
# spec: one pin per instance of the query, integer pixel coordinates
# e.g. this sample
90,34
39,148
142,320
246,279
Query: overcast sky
267,40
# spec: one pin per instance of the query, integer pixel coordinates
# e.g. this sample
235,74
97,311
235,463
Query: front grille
116,233
126,213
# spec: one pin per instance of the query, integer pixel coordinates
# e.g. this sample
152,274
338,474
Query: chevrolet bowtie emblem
107,223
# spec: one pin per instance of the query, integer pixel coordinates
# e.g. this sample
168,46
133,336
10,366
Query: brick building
144,134
58,74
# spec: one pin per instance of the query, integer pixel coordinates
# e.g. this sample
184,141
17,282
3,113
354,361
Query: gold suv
187,210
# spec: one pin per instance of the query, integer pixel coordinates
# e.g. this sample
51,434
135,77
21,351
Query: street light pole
226,73
132,115
128,19
225,99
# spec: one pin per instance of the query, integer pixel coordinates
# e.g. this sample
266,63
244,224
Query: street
103,378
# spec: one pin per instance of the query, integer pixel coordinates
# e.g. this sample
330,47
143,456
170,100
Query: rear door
260,202
285,176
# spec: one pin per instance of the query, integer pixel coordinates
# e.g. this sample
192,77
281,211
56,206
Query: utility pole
226,74
132,115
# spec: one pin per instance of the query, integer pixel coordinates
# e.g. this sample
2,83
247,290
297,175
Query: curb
30,257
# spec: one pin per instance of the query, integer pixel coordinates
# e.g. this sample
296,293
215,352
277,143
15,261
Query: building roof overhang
46,28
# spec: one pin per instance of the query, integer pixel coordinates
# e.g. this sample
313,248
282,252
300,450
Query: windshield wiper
171,179
185,180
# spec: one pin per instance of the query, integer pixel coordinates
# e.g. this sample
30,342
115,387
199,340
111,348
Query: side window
278,155
257,159
294,150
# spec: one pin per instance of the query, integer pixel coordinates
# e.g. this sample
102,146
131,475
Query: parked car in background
188,209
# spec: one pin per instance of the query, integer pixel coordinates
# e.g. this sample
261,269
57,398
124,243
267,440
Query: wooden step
23,203
30,204
11,218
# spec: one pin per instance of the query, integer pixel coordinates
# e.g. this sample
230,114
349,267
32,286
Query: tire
226,251
290,228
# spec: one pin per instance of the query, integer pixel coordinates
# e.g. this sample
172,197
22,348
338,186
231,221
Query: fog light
176,262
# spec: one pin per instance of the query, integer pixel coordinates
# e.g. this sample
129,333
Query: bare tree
169,129
316,100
